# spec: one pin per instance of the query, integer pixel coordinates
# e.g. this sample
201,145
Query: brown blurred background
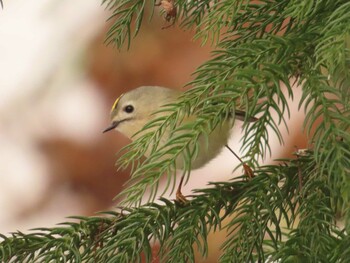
57,85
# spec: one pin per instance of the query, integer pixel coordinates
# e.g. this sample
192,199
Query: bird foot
180,198
248,171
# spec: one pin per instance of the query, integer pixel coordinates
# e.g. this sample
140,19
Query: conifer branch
287,211
255,209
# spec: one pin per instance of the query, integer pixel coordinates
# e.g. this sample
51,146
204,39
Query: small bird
132,110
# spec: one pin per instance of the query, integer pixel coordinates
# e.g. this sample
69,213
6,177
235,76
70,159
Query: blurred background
58,81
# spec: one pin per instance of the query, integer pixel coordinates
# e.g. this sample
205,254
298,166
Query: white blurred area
43,89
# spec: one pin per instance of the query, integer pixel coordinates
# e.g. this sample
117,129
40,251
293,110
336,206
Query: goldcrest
132,110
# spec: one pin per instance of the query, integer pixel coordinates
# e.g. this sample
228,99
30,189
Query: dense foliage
263,52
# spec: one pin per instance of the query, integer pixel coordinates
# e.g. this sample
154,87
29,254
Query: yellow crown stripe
115,104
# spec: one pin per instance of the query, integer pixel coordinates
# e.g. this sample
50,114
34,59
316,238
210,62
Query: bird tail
241,115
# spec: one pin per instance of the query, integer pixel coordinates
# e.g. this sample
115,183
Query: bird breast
208,147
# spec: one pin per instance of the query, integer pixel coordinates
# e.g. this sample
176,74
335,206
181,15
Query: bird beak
112,127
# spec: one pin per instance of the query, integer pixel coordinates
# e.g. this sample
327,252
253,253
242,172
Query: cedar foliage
259,47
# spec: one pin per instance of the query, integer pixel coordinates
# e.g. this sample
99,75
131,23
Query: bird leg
247,170
179,196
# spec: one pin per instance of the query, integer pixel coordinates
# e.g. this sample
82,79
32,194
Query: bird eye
129,109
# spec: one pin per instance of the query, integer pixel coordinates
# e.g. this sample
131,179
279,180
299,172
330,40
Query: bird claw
180,198
248,171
